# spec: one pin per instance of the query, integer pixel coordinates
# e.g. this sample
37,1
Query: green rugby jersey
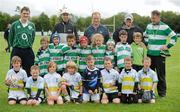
83,53
56,54
22,37
42,60
138,54
72,55
156,36
99,53
122,51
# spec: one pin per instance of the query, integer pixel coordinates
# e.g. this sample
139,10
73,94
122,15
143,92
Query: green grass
170,103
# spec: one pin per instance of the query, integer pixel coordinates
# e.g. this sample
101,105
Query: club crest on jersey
30,27
89,73
18,26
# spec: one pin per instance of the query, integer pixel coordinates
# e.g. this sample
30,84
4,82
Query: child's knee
60,100
23,102
152,101
50,102
116,100
12,102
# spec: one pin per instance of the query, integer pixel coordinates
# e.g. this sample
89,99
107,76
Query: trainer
156,35
21,39
96,27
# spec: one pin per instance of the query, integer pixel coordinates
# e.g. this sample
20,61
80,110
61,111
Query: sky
84,8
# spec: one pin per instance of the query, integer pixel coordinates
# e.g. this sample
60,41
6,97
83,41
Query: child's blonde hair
16,59
89,58
137,34
97,36
147,58
71,64
35,67
44,39
50,64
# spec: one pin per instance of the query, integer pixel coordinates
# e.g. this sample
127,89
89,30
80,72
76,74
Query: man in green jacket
21,39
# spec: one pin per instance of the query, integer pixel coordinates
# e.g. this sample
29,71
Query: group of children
84,73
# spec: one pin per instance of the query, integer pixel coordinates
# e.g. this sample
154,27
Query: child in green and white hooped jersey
43,56
122,50
72,54
98,50
57,50
110,51
83,51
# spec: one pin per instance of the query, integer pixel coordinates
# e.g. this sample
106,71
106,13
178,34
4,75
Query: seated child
72,80
52,85
15,79
128,83
148,80
110,79
91,79
35,87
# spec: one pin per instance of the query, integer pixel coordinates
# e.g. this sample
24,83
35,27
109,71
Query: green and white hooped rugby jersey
156,37
122,51
56,54
146,79
83,53
99,53
128,81
42,60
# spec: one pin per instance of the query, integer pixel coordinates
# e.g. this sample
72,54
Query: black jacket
66,27
130,32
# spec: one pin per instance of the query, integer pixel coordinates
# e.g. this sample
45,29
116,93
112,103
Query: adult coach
96,27
65,27
129,26
6,37
21,38
156,34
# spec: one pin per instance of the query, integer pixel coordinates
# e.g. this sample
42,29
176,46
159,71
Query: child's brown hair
89,58
137,34
16,59
35,67
71,36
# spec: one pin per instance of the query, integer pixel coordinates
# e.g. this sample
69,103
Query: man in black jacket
129,27
65,27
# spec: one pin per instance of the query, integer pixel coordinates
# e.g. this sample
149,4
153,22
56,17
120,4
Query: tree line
46,23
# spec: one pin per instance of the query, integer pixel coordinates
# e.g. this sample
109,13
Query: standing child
57,50
148,81
122,50
35,87
72,54
52,85
98,50
91,81
139,51
83,51
128,83
15,79
110,78
72,81
110,51
43,56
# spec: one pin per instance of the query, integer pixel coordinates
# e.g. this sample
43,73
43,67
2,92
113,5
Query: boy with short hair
57,50
148,80
72,54
110,78
122,50
43,56
128,83
91,79
35,87
139,51
15,79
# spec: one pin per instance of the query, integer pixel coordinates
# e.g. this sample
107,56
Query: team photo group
127,66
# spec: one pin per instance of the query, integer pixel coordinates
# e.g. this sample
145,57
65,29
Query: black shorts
112,96
17,100
129,98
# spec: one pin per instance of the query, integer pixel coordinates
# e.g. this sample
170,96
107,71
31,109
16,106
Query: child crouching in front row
35,87
71,80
